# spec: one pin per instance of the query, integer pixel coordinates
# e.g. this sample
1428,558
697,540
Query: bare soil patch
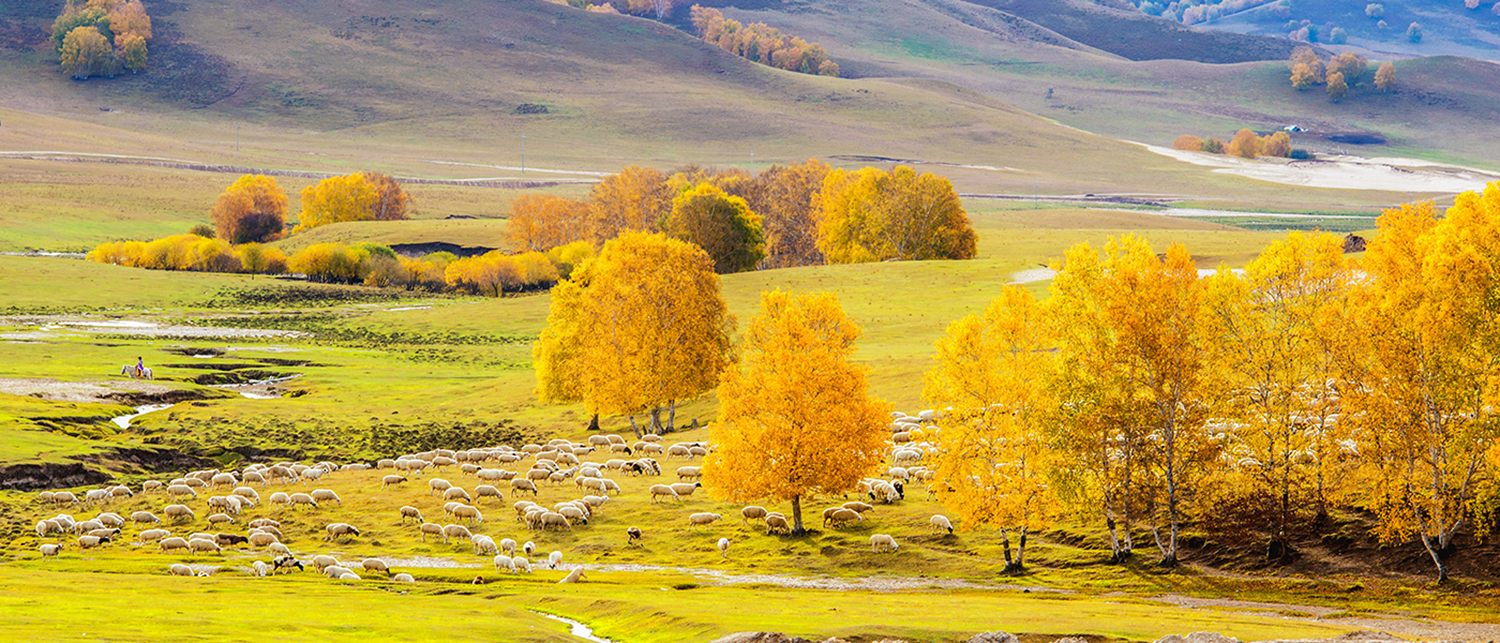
90,392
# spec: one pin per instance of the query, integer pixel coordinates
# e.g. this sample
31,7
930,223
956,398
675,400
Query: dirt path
59,391
1408,627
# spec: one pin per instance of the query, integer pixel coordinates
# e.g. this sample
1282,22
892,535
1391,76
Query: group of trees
760,43
1148,399
1246,143
101,37
192,252
789,215
254,208
1339,73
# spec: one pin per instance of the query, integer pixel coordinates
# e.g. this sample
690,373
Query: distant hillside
1448,27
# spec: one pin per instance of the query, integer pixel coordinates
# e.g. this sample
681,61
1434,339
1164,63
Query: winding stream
123,421
577,629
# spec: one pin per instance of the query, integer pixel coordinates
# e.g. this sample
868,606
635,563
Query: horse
145,372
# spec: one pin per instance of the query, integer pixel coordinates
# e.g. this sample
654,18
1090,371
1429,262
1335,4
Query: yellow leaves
495,273
795,418
870,215
637,327
1303,76
991,378
252,209
636,199
1245,144
1385,76
85,52
337,199
1188,143
191,252
541,222
1336,86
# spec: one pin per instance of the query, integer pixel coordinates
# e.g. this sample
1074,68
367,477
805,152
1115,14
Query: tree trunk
1437,558
1169,548
672,416
656,420
634,427
594,423
797,515
1021,553
1005,542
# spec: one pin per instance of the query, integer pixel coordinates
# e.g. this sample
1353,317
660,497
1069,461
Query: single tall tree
796,418
870,215
993,378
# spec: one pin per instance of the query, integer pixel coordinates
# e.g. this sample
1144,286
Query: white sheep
661,490
49,550
430,528
883,542
176,512
455,531
403,578
259,569
375,565
340,529
554,559
724,547
504,562
940,522
411,512
508,546
484,545
326,495
574,576
152,535
465,512
323,562
703,519
180,569
204,545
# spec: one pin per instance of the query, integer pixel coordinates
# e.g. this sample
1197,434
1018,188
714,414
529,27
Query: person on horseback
140,367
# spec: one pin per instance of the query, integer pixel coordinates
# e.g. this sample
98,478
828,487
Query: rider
140,367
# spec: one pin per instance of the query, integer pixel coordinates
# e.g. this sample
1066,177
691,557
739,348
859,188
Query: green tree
85,52
721,224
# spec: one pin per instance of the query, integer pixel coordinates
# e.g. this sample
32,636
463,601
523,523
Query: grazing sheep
180,569
110,519
858,506
89,542
176,512
465,512
44,527
391,480
522,565
302,499
940,522
279,549
269,529
322,562
326,495
181,490
752,512
456,531
685,473
529,548
218,518
348,576
64,498
484,545
204,545
105,532
508,546
777,523
504,562
280,498
660,490
457,493
550,519
519,485
262,539
554,559
684,489
285,561
573,514
259,569
145,517
375,565
633,536
340,529
883,542
724,547
487,491
574,576
226,540
678,451
403,578
703,519
169,544
410,512
49,550
841,516
430,528
152,535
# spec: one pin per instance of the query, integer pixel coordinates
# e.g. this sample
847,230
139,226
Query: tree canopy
252,209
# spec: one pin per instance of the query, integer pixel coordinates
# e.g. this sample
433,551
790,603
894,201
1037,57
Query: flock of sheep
589,467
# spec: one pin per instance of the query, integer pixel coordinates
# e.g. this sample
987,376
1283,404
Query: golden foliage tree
1277,145
636,199
329,263
1279,336
1351,65
787,204
870,215
1303,76
337,199
1245,144
1428,374
1306,56
1134,356
650,329
391,201
85,52
541,222
796,418
1337,88
1188,143
992,378
252,209
720,224
1385,76
762,44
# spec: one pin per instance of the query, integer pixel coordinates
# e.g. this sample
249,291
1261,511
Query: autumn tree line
757,42
1139,397
1246,144
789,215
1337,74
101,37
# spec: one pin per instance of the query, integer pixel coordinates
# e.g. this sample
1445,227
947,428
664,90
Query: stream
577,629
124,420
258,389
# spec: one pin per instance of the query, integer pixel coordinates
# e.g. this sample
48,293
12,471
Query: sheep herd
239,520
